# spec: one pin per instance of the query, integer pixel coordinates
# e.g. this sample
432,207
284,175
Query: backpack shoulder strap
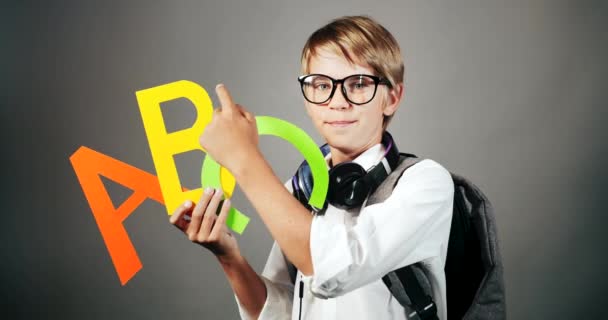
408,284
385,189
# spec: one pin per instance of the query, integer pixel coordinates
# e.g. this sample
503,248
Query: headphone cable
301,295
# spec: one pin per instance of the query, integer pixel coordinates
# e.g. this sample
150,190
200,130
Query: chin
342,142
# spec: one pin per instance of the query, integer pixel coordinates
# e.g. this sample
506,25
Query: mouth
341,123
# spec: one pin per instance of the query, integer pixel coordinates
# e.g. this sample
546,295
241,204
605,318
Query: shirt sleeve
278,277
411,225
279,288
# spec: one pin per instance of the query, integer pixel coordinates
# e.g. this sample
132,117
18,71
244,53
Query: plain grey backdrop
511,94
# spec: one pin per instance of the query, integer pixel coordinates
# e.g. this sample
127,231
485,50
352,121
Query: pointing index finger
224,97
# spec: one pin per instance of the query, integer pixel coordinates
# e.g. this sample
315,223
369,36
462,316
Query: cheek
383,100
374,113
315,114
309,111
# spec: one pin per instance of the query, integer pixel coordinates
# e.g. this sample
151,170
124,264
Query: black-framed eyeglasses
357,88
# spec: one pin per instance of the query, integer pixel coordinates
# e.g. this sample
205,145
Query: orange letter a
88,165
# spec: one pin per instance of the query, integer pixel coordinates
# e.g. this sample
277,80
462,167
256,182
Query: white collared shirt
353,249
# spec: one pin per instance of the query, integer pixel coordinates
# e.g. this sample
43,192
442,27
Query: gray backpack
474,271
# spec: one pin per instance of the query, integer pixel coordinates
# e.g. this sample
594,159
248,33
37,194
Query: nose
338,101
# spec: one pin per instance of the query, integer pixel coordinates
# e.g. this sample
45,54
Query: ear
394,98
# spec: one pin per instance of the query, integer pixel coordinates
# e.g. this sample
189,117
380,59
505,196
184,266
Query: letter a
88,165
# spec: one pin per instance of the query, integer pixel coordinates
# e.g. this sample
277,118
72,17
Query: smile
340,123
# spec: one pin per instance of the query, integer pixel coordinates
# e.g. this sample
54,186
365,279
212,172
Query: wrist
250,162
228,261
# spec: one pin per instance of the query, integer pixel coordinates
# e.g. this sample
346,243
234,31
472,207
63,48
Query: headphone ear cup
347,188
358,193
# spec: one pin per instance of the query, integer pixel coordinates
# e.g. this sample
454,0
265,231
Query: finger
220,223
225,98
197,214
178,217
210,216
240,108
236,109
249,116
242,111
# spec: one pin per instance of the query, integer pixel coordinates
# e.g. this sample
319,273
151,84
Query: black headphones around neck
349,183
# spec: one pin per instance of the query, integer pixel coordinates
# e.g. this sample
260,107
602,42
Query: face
348,128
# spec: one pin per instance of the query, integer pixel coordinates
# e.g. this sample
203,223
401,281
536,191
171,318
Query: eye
322,86
359,85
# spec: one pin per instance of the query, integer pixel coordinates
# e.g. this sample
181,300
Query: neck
343,155
338,156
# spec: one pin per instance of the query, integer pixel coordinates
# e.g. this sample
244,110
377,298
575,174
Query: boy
352,84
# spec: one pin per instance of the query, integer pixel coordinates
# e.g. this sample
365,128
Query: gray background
508,93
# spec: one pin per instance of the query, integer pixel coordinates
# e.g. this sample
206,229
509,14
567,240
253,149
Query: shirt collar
367,159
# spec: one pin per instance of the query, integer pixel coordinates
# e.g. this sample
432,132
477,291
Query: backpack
474,271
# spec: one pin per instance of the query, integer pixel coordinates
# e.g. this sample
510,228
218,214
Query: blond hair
361,40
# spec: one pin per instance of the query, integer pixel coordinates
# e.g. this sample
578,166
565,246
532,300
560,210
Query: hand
202,225
231,138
